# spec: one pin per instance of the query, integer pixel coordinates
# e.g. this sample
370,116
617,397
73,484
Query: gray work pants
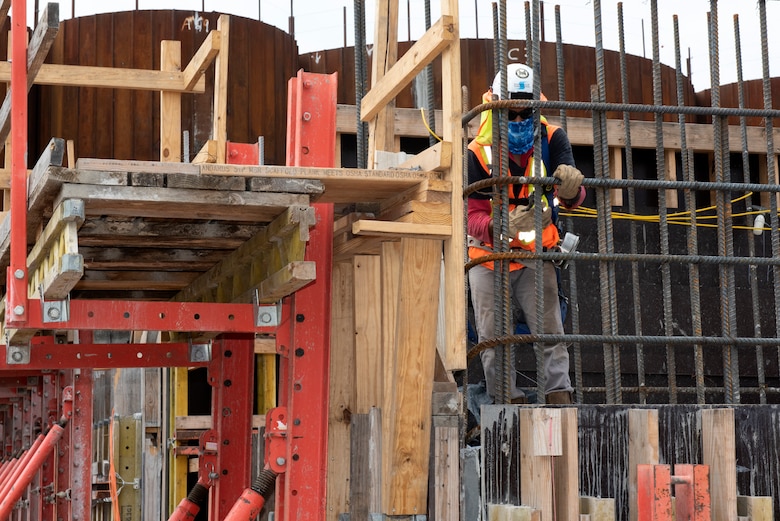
523,294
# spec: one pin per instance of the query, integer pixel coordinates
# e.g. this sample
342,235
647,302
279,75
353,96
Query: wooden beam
616,172
202,58
438,158
107,77
283,241
40,43
580,131
219,116
423,52
180,203
170,106
399,230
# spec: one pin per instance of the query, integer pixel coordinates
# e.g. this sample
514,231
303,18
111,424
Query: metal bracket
55,310
268,314
17,355
200,352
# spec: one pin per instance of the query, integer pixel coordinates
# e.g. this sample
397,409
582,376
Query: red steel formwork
47,391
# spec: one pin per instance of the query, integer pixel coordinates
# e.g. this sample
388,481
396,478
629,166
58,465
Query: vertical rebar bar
770,160
660,158
360,82
752,269
529,57
635,282
505,370
613,379
693,234
430,99
538,194
723,210
560,64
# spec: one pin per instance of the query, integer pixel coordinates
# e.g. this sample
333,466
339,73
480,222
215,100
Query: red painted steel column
81,446
692,492
231,376
654,492
311,142
16,304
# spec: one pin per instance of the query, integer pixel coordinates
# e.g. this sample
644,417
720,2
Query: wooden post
170,105
616,172
719,452
381,128
220,89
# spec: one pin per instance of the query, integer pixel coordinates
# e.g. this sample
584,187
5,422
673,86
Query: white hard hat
519,84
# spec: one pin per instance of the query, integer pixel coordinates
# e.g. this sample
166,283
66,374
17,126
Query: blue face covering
521,136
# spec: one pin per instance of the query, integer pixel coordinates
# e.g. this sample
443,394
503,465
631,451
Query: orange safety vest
550,235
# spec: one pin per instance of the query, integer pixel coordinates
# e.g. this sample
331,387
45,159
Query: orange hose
112,471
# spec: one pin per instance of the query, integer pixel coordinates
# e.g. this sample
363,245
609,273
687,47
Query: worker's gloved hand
571,180
521,219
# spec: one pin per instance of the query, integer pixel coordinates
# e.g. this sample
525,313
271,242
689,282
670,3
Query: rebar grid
709,356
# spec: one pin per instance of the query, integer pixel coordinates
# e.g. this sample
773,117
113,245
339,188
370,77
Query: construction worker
557,158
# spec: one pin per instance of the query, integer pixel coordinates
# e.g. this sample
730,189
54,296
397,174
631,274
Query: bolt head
19,310
19,274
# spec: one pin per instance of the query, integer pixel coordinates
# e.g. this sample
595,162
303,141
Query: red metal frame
691,487
16,298
304,335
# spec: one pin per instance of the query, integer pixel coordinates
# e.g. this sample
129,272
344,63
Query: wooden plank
756,508
369,373
391,260
37,49
205,422
341,401
445,462
120,166
396,212
398,230
429,191
438,158
535,471
566,468
670,162
202,59
423,52
219,116
546,432
413,378
180,203
719,452
642,448
170,105
67,211
365,464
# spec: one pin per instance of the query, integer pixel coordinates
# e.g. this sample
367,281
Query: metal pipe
252,500
11,495
22,461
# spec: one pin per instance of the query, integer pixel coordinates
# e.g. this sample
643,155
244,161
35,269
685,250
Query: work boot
520,400
558,398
